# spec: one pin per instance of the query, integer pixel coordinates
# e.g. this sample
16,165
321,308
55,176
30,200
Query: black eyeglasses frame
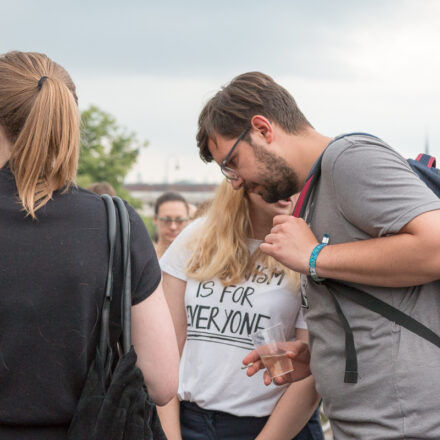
229,173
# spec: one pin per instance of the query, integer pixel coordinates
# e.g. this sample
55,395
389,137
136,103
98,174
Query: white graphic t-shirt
220,319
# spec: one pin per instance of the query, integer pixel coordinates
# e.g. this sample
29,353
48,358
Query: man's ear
263,127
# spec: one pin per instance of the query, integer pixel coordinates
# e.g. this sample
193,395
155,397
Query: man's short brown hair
230,111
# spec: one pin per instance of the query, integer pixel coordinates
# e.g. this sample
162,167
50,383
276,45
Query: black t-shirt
52,281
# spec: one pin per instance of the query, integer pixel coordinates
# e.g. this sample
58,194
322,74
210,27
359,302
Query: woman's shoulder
191,231
81,197
81,204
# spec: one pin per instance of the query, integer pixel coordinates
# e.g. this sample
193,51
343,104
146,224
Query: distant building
194,193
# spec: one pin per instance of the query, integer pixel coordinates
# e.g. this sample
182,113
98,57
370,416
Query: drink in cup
277,364
270,345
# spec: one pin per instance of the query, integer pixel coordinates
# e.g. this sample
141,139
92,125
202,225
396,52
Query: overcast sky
351,65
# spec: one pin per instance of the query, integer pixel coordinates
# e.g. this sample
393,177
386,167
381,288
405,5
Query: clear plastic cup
270,345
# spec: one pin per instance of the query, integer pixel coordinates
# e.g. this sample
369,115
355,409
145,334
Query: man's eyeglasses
168,220
228,172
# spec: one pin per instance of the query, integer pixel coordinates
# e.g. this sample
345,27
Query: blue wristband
313,256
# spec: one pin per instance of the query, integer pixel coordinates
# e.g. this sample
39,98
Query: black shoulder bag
114,403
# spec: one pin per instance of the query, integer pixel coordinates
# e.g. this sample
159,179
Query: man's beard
277,180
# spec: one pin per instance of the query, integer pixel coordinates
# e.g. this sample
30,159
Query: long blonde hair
40,118
220,248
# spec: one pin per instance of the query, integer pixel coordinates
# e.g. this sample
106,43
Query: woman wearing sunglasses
171,215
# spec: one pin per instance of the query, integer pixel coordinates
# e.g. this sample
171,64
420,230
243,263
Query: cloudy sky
351,65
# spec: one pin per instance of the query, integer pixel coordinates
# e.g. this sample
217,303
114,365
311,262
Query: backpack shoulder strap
351,365
124,221
382,308
378,306
104,339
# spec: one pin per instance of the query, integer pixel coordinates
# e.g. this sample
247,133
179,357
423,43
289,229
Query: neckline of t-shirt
254,241
253,244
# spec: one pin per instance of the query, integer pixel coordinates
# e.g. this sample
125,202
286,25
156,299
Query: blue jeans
200,424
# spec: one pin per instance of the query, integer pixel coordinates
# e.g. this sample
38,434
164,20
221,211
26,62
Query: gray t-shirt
368,190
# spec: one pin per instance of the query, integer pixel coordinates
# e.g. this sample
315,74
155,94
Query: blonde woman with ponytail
53,261
220,288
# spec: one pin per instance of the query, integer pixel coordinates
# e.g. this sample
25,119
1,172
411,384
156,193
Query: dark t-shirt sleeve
145,269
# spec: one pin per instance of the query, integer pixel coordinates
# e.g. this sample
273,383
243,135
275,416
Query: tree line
108,151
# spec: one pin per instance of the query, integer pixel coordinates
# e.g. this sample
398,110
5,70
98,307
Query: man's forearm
395,261
409,258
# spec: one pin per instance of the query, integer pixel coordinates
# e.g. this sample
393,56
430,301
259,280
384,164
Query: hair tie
40,83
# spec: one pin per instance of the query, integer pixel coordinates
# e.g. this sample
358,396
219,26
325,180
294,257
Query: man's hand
297,351
290,242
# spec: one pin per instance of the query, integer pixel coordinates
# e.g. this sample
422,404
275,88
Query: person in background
53,260
171,215
192,210
220,288
101,188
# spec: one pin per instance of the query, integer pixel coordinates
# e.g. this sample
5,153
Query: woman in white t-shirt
220,288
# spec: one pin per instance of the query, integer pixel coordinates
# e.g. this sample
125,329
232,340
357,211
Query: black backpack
424,167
